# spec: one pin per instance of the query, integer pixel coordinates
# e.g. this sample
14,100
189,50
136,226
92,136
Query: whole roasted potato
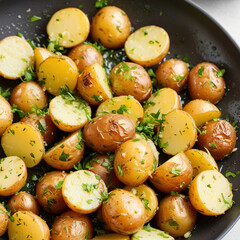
4,219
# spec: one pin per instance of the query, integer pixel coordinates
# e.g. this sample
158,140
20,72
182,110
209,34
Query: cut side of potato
40,55
111,236
15,56
69,26
4,219
148,45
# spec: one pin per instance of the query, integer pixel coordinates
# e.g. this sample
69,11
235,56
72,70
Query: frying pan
192,33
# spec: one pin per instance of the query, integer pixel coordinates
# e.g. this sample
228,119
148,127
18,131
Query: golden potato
40,55
4,220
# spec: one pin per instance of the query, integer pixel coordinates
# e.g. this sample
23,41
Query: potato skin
219,139
4,219
105,133
208,86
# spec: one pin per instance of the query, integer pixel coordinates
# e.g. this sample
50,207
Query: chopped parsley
80,140
97,98
220,73
121,173
105,196
15,108
101,3
172,222
213,144
121,110
41,126
64,156
200,71
59,186
5,93
175,171
34,19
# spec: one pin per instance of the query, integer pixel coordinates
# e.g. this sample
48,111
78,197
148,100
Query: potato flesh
40,55
6,115
111,236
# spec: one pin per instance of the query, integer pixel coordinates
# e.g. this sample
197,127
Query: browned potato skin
4,219
85,55
138,85
49,182
124,212
220,132
105,133
170,70
23,201
179,209
72,225
27,94
200,88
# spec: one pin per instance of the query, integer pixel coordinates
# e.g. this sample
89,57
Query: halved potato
148,45
211,193
111,236
69,26
25,141
16,55
4,219
202,111
40,55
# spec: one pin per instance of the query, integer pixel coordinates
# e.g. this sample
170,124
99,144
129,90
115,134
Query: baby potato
84,55
123,212
206,82
4,220
133,162
173,175
105,133
111,236
49,194
23,201
173,74
219,137
111,27
131,79
26,95
72,225
147,46
176,215
40,55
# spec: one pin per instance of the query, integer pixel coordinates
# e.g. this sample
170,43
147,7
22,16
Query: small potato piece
68,26
66,153
105,133
93,85
23,201
179,133
176,215
131,79
69,116
85,55
202,111
124,212
219,137
57,72
40,55
211,193
173,175
111,27
26,95
4,220
148,45
82,191
16,56
13,175
31,149
204,83
173,74
72,225
111,236
27,225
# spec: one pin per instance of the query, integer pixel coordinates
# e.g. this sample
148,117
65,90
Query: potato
211,193
176,215
148,45
148,198
6,115
69,116
82,191
123,212
111,236
201,161
111,27
105,133
40,55
128,106
85,55
57,72
131,79
219,137
26,95
68,26
16,56
173,175
49,194
23,201
72,225
179,132
204,82
31,149
4,220
13,175
27,225
93,85
202,111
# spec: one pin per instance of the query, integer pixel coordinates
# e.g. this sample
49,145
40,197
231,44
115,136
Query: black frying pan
193,34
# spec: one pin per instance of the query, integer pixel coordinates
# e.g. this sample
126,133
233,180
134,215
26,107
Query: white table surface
227,13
